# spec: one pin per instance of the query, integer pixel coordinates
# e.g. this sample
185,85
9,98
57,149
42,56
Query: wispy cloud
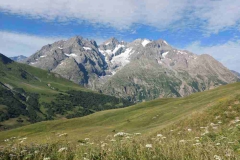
227,53
206,15
12,44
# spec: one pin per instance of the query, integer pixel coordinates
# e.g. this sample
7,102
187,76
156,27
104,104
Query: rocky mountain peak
140,70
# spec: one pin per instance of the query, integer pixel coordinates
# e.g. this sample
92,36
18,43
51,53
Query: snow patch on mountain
123,58
165,42
117,48
87,48
165,54
145,42
71,55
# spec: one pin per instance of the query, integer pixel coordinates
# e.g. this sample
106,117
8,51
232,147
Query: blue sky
200,26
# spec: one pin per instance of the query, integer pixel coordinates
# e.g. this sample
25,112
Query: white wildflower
137,133
112,140
23,151
197,144
217,144
159,135
64,134
148,145
62,149
189,130
46,158
120,134
217,157
104,144
182,141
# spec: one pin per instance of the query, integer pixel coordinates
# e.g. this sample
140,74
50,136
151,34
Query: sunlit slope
29,95
33,79
147,117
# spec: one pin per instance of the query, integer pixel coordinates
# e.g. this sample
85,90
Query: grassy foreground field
203,126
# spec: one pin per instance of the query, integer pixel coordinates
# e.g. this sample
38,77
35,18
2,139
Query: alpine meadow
119,80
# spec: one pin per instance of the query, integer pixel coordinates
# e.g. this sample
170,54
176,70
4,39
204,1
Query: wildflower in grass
62,149
23,151
85,158
197,144
113,140
137,133
120,134
219,122
189,130
36,152
212,124
6,140
12,155
215,127
64,134
182,141
46,158
104,144
159,135
217,144
171,130
217,157
148,145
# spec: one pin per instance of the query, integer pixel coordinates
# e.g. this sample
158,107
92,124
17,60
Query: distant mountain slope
236,73
19,58
29,95
140,70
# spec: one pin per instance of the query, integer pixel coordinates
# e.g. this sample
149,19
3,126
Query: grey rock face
76,59
139,70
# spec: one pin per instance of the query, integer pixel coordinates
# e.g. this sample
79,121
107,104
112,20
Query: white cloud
228,53
120,14
217,14
207,15
12,44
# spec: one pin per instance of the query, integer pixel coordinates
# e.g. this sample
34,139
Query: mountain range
139,70
19,58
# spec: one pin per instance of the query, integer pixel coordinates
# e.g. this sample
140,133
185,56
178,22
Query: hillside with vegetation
202,126
29,95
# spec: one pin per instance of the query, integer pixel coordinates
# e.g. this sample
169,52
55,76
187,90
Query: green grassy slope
147,117
29,94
